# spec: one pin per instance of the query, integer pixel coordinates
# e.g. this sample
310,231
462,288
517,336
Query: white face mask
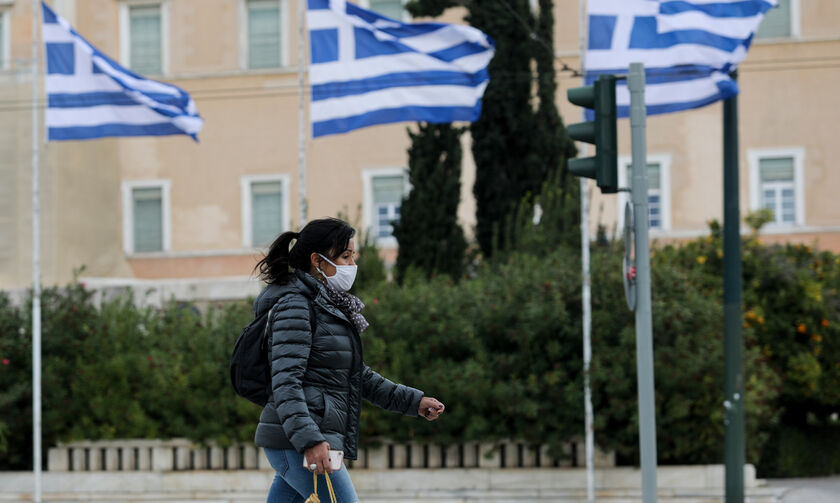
343,278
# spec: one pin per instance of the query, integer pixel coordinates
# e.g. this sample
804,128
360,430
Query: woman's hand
318,455
430,408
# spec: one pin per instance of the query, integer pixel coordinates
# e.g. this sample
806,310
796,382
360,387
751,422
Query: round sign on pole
629,263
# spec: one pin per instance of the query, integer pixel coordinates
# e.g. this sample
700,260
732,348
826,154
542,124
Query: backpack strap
267,331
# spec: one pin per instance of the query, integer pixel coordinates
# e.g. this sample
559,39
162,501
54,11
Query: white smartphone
336,458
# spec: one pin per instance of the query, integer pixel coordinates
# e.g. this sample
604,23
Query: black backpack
250,372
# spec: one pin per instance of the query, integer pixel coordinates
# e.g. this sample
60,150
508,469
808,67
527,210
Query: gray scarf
350,305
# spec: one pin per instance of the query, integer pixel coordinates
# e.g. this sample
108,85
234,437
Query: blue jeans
293,482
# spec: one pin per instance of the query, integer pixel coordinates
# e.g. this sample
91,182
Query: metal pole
36,269
586,294
644,322
734,455
301,111
586,300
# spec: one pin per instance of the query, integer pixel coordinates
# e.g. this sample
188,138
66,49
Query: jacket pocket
328,418
335,414
316,403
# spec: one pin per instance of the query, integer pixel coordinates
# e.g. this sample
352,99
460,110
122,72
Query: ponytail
327,236
274,267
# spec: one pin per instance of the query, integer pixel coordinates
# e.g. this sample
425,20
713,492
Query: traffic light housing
601,132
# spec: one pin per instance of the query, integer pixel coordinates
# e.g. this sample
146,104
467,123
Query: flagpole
36,270
586,296
301,111
733,339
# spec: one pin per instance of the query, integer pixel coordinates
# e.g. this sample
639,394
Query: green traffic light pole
733,351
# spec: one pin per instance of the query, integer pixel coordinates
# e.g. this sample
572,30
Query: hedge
501,348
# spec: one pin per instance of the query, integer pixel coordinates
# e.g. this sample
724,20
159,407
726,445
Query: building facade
152,208
788,160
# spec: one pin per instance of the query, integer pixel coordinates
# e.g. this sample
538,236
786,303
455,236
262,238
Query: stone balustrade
183,455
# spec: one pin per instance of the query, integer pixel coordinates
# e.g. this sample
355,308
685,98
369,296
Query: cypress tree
551,140
516,148
428,233
507,165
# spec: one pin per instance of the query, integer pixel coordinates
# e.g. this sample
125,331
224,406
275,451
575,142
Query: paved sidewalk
812,490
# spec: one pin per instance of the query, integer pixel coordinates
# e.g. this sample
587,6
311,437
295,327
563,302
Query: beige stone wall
788,100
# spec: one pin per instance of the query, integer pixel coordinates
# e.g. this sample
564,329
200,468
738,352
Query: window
146,216
388,8
384,191
776,184
659,198
778,21
265,31
265,209
387,197
143,36
777,188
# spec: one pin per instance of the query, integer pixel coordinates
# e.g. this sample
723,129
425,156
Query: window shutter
388,8
654,173
776,22
264,34
2,40
776,169
145,45
654,176
388,189
148,219
266,212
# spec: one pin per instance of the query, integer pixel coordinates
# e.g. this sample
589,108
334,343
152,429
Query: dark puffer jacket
318,380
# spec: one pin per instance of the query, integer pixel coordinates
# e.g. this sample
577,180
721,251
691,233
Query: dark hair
327,236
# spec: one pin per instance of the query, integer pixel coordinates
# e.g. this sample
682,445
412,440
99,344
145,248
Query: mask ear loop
322,273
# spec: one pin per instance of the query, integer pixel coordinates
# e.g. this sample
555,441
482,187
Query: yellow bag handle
314,498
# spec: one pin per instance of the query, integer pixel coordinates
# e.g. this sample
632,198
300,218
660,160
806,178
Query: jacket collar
313,289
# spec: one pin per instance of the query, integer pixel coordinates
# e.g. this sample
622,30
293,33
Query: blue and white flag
736,20
688,47
91,96
367,69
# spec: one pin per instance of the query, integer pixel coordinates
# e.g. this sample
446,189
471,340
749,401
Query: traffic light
603,166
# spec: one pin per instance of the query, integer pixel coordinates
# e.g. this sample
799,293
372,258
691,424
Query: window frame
128,187
246,200
406,17
125,31
244,55
368,215
795,25
754,157
664,161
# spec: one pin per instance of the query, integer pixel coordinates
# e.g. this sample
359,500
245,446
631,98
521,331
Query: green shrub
502,350
688,367
796,451
120,372
507,346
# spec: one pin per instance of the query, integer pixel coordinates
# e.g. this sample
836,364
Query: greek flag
367,69
91,96
688,47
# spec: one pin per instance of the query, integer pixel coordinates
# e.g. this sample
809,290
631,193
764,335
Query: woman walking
318,375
